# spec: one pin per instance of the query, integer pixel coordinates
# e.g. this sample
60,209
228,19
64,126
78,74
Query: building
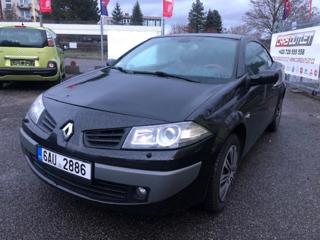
18,9
147,20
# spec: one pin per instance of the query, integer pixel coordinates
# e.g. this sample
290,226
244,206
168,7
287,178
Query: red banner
287,9
167,8
310,7
45,6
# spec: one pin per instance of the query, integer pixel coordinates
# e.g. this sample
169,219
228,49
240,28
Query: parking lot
276,195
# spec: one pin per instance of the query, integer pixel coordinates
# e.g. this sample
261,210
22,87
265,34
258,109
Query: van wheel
224,172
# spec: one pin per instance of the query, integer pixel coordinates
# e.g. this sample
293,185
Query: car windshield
201,59
22,37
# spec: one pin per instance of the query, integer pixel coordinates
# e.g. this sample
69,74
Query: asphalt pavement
276,195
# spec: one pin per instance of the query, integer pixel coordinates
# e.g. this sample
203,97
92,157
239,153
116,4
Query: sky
231,11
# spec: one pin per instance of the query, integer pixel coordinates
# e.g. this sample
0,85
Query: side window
256,58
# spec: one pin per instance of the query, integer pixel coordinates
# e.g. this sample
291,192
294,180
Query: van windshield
23,37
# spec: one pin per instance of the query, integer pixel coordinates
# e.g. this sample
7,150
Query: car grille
108,138
97,189
47,123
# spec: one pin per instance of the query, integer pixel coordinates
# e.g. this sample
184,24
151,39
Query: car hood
148,96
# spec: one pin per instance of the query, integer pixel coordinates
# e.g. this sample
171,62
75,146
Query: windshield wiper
121,69
165,74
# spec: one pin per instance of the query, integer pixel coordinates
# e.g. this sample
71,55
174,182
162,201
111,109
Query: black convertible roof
217,35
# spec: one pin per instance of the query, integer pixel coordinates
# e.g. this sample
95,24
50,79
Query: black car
163,128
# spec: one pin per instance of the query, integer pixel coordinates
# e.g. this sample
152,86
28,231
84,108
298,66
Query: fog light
141,192
51,65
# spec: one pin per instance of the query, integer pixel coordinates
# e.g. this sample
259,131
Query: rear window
23,37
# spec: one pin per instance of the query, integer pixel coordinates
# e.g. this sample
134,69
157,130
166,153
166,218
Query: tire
63,73
223,176
274,125
56,82
1,85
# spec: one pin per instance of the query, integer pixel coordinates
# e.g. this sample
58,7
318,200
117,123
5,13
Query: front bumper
116,185
27,74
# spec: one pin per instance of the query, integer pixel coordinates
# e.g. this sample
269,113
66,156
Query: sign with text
298,51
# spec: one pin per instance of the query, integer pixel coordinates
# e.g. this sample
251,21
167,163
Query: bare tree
179,28
265,16
242,29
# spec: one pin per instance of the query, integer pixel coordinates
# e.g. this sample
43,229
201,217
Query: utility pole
102,40
162,26
41,19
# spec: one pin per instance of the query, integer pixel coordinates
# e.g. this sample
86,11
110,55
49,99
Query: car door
273,90
256,108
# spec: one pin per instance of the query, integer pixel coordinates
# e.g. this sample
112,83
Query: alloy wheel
228,172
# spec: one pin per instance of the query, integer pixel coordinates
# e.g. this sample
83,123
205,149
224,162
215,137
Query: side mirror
264,77
111,62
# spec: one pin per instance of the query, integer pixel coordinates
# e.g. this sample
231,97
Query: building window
8,4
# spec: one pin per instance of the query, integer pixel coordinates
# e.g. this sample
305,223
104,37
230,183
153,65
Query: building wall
147,21
21,8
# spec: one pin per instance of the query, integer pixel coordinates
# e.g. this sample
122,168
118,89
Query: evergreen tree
137,17
196,17
74,10
117,14
213,22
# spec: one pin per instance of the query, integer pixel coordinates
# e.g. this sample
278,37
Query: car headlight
165,136
36,109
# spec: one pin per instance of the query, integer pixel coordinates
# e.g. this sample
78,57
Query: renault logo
67,131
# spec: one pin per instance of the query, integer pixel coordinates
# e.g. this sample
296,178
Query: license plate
22,63
66,164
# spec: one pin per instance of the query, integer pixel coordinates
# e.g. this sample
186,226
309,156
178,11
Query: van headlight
36,109
165,136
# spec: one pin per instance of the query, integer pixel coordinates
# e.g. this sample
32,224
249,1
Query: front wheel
224,172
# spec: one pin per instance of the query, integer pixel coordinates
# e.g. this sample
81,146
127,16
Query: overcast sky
231,11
